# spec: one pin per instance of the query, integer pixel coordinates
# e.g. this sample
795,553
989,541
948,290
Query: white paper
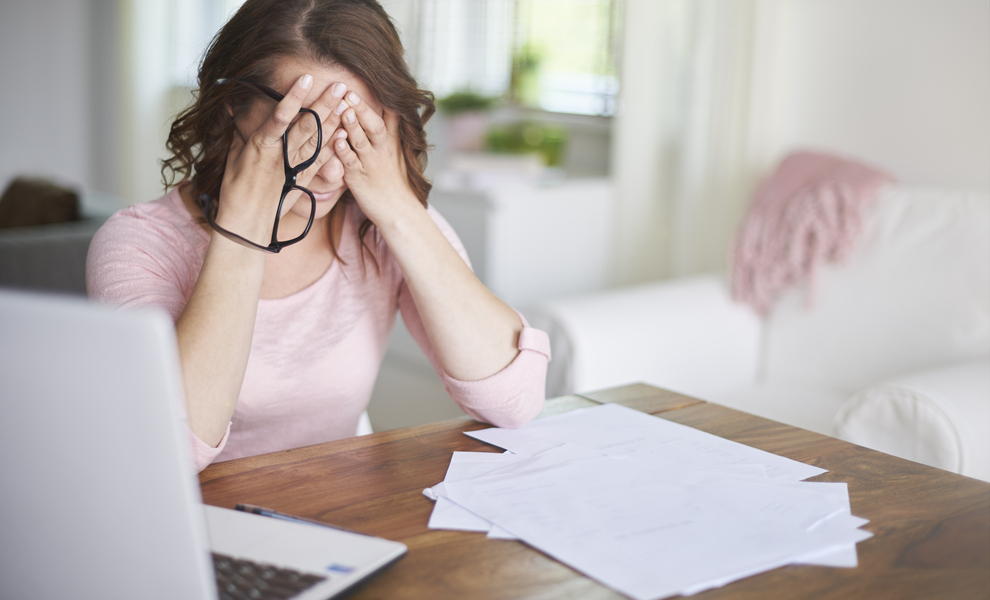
616,429
497,533
650,534
646,506
845,557
448,515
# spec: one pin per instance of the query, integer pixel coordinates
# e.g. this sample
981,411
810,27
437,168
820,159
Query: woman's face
327,184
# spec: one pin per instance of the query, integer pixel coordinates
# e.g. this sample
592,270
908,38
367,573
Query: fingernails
339,89
349,117
341,134
341,145
306,82
353,98
341,107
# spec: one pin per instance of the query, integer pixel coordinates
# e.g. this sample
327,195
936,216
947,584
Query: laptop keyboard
239,579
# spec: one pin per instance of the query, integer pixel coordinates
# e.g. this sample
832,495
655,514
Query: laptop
98,495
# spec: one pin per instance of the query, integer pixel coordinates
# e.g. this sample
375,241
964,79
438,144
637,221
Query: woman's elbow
516,410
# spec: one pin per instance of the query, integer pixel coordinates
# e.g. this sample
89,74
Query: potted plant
467,118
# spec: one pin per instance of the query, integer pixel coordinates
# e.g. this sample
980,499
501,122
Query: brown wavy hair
357,35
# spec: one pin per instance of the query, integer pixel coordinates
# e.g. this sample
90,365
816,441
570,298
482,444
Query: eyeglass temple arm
264,89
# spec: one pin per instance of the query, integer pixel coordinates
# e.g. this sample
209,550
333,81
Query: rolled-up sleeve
514,395
202,453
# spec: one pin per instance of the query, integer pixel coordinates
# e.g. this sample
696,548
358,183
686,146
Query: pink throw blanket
808,211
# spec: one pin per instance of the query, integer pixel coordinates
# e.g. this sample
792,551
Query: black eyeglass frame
209,206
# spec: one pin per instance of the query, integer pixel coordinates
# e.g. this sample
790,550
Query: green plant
524,76
465,101
548,141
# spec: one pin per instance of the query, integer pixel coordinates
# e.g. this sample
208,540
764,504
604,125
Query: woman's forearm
214,334
215,329
474,334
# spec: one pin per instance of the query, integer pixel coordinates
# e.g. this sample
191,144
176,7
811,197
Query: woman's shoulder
169,211
163,224
147,254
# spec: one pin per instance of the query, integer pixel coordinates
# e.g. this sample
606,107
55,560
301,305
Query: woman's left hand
374,167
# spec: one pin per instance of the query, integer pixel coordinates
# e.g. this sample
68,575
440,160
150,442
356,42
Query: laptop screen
97,490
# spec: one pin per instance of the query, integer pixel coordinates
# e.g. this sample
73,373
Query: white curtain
463,45
689,137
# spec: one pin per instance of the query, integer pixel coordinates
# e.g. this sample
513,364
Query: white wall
707,113
45,97
902,83
59,103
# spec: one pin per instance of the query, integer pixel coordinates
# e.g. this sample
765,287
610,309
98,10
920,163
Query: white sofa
890,350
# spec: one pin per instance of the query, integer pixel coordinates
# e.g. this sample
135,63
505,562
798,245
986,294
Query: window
556,55
570,46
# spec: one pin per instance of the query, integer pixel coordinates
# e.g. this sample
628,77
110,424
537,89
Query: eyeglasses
209,204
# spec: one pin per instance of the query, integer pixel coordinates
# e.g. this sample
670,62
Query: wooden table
931,527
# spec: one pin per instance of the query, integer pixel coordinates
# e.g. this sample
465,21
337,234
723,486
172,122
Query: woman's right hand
255,173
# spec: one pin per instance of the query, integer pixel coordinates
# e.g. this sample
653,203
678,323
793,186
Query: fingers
306,138
344,152
270,132
331,100
326,155
355,132
362,116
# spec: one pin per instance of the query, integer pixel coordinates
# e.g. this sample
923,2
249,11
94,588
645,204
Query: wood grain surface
931,527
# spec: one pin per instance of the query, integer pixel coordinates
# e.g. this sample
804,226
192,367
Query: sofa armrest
938,417
684,334
47,257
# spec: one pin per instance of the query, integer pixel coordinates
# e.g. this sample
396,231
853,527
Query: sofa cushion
48,258
803,404
915,294
939,417
686,335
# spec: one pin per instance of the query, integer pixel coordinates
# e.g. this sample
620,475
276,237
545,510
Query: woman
280,350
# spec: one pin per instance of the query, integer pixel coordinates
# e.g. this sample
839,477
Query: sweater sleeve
509,398
139,260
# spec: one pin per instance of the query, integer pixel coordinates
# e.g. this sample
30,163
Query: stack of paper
645,506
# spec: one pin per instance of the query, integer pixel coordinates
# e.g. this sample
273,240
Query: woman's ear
230,109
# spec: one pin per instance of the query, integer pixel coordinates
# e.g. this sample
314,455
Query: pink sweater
315,354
